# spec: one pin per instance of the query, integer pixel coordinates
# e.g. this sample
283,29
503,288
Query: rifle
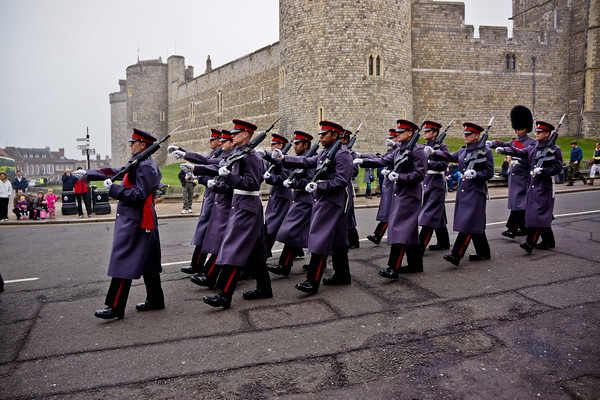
322,168
311,152
239,155
401,159
217,153
284,151
542,155
353,138
440,138
144,155
473,157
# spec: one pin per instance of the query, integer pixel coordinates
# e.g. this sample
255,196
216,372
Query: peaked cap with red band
141,136
431,125
472,128
225,136
406,125
300,136
327,126
240,126
543,126
215,134
392,133
277,138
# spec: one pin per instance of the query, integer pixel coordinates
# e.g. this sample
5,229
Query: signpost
85,148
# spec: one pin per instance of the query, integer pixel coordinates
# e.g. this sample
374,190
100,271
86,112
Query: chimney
61,152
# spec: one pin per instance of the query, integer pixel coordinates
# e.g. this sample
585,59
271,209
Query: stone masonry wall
118,128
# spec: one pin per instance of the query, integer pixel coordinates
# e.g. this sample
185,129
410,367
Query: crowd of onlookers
40,205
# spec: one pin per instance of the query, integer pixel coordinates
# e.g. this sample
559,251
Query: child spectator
38,205
23,207
51,204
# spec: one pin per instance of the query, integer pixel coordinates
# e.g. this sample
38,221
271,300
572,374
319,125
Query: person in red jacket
81,194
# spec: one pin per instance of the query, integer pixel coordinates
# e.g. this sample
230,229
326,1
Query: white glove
389,143
393,176
178,154
311,187
428,150
287,183
210,183
277,155
108,183
223,171
470,174
171,148
385,172
261,153
357,161
488,143
187,167
79,174
499,150
267,175
537,170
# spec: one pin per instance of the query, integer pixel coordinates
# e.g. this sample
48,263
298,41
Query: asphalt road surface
513,327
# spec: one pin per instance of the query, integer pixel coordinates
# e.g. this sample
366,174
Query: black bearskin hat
521,118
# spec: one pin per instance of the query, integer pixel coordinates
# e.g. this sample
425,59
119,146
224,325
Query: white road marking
22,280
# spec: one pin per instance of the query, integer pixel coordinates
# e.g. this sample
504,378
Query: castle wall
248,90
118,128
456,75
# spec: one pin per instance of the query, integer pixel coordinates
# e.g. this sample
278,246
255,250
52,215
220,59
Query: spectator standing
453,174
187,183
51,204
505,167
80,188
5,192
595,164
67,181
16,209
20,182
574,164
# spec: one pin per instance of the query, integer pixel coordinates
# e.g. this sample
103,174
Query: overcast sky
60,59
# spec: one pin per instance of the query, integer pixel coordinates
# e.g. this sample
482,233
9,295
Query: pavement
514,327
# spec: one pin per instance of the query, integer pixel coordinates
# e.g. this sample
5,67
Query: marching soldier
433,213
279,195
328,233
471,195
199,257
540,194
136,243
406,201
519,174
243,244
293,232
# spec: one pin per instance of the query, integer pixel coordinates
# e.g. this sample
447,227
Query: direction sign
82,147
81,139
91,152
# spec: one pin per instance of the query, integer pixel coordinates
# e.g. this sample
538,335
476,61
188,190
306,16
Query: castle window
320,114
129,91
219,103
378,66
192,111
374,65
281,77
134,117
261,95
370,65
161,116
510,61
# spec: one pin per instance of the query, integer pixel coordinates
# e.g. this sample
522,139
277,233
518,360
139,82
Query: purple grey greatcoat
134,250
295,227
279,199
329,219
540,194
471,194
433,211
387,191
407,192
351,215
519,174
219,216
209,195
246,227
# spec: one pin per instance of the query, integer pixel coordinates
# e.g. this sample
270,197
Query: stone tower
118,125
348,61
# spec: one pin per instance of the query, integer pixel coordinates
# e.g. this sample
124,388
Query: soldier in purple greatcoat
471,195
519,173
293,232
403,232
353,239
433,212
328,232
279,196
199,257
136,243
387,191
540,194
244,244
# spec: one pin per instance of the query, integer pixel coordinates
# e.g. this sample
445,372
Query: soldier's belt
432,172
246,192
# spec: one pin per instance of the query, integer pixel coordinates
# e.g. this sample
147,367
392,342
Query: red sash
518,144
147,214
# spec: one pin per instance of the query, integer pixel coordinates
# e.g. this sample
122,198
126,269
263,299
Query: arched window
374,65
219,102
370,65
378,66
320,114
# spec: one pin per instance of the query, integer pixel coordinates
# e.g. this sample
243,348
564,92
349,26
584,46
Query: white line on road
22,280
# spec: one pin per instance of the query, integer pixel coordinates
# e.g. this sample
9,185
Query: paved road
516,326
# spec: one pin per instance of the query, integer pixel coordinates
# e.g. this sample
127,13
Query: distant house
36,163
